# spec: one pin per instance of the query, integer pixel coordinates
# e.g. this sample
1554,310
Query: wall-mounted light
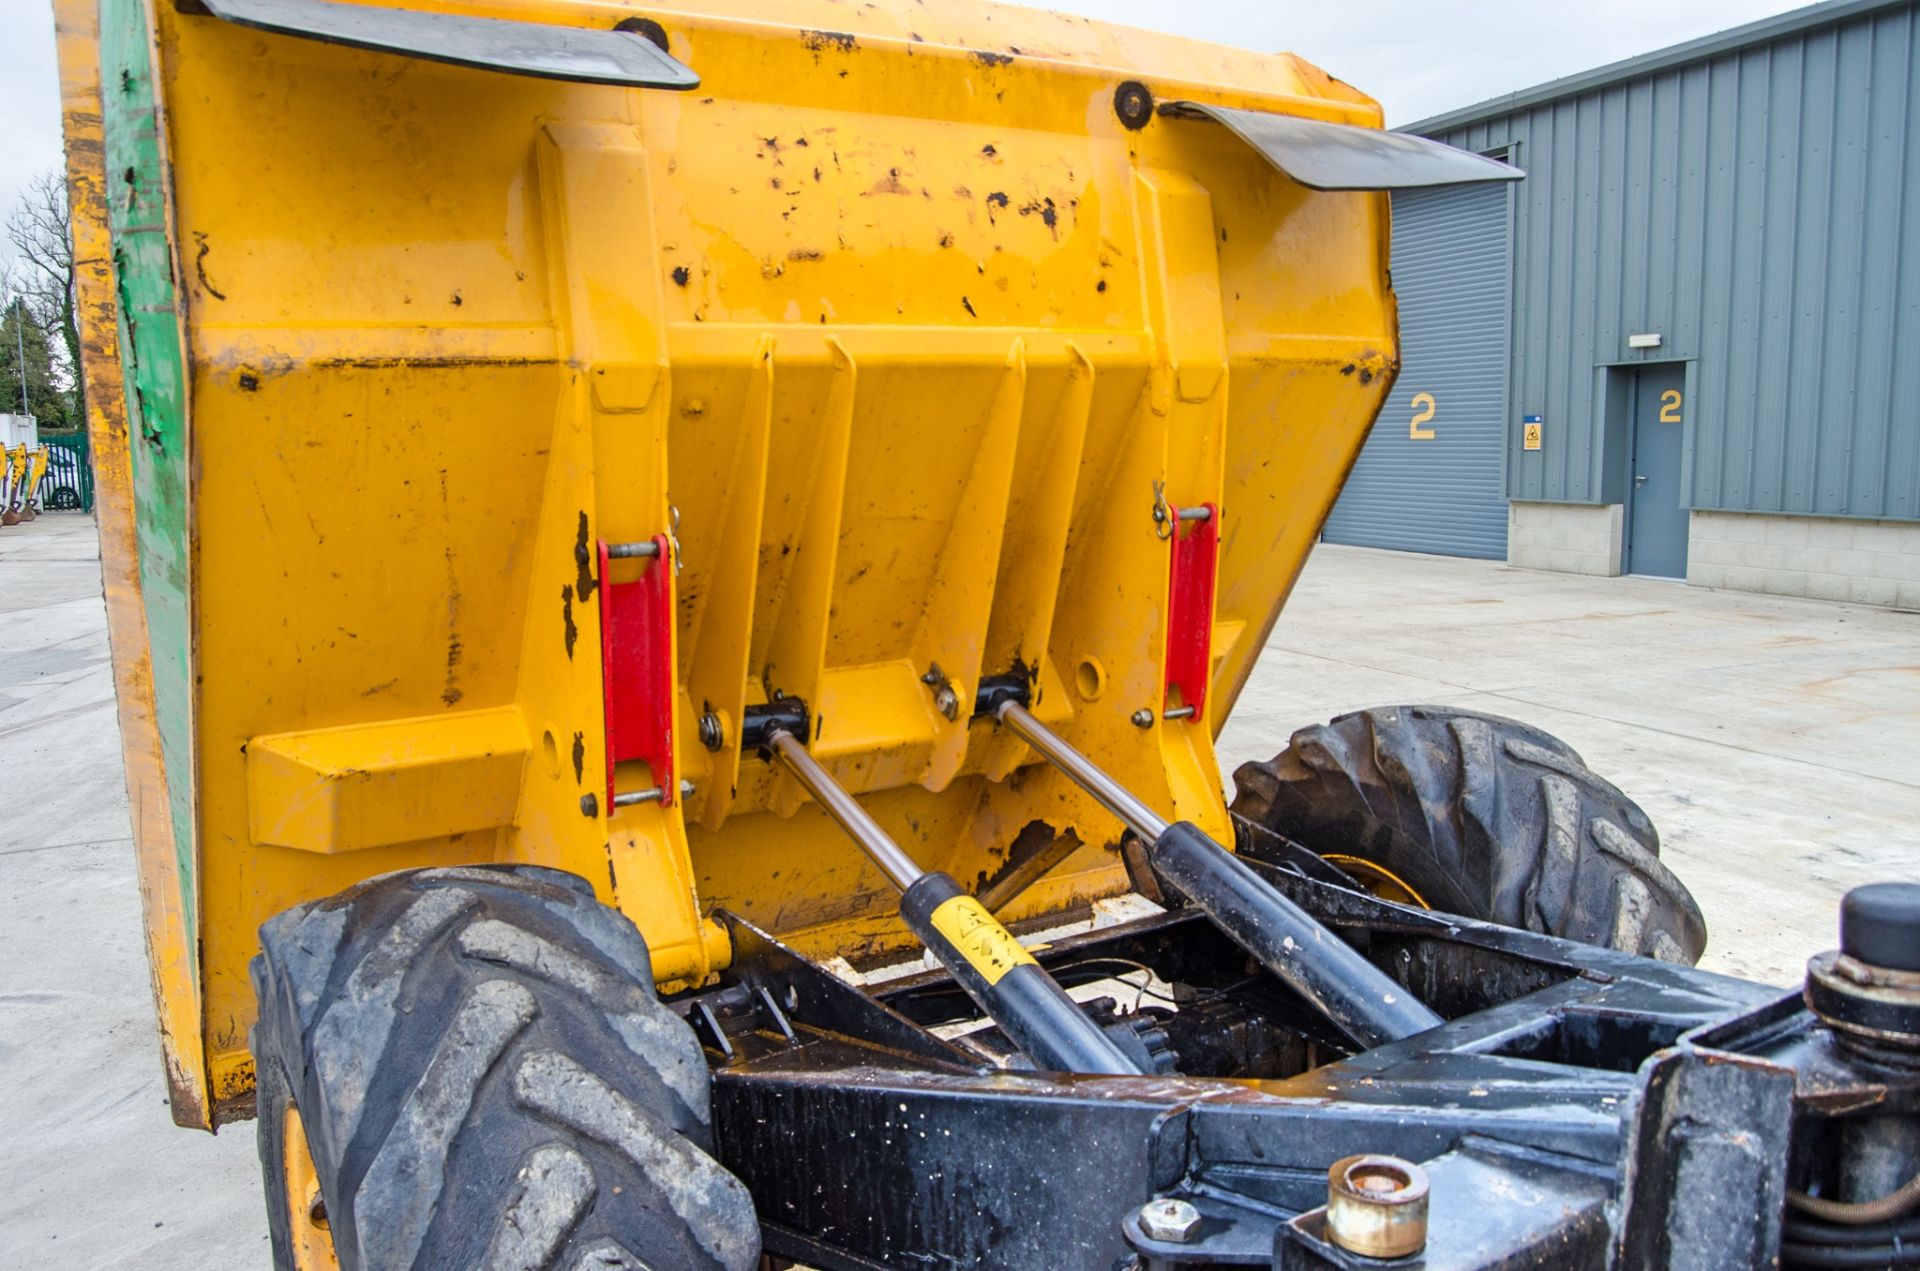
1644,340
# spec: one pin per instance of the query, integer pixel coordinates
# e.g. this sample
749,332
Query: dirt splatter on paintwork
200,267
821,41
583,556
1045,210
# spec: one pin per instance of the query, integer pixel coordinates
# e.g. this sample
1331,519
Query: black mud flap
624,58
1326,156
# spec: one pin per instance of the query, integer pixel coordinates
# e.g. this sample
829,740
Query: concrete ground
1772,741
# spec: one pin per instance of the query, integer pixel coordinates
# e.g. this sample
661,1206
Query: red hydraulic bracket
1195,567
636,656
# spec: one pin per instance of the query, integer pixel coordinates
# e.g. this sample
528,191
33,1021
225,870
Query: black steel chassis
1579,1108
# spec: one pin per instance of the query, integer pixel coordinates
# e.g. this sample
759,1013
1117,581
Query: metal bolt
713,733
1170,1219
1143,718
589,805
652,794
1133,104
1377,1206
945,699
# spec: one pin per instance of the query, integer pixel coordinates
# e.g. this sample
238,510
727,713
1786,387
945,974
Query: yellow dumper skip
905,341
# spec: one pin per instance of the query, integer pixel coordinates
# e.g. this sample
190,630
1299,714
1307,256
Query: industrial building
1687,344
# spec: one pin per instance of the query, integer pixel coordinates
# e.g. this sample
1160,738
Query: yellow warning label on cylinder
989,947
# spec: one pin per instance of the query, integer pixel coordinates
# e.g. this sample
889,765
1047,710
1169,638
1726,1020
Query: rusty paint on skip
821,41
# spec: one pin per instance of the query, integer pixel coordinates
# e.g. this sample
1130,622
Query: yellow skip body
891,328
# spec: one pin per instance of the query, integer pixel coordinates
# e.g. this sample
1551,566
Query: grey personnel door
1656,502
1429,477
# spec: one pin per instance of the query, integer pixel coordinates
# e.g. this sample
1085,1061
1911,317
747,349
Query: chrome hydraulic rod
1113,796
1366,1003
901,870
996,971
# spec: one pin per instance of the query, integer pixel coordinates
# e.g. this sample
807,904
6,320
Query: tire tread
404,1018
1487,817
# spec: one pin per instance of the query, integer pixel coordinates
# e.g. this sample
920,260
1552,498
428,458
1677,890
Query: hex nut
1170,1219
1377,1206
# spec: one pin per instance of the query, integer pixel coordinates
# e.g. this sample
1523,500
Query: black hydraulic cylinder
1362,1000
997,973
1002,977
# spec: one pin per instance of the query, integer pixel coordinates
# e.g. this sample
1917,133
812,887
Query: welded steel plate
1327,156
516,48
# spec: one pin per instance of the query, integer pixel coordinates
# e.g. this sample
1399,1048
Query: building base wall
1846,559
1569,538
1823,558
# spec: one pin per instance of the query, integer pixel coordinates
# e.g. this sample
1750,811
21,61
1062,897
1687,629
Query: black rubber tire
486,1079
1485,817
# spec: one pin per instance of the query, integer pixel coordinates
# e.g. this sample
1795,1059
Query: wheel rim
307,1228
1378,881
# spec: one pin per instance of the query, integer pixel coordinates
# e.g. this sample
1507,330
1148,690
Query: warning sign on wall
1530,432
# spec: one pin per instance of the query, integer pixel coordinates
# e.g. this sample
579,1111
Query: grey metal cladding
1760,209
1441,493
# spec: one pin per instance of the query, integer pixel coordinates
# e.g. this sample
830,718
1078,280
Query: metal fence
68,483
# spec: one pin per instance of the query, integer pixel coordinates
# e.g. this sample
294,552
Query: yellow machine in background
20,471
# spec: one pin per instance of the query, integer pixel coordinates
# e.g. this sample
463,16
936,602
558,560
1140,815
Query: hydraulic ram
1366,1003
1000,975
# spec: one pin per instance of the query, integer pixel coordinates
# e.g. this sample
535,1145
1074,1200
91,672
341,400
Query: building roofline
1753,33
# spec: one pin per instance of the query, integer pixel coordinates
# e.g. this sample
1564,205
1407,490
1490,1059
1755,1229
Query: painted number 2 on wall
1670,406
1423,410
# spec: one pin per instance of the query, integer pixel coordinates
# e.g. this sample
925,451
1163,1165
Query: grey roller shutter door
1442,494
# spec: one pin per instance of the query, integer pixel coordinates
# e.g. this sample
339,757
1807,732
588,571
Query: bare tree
39,230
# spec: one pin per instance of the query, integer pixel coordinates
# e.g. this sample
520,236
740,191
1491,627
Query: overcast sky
1418,57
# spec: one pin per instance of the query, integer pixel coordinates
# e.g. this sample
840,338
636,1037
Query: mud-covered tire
485,1079
1484,817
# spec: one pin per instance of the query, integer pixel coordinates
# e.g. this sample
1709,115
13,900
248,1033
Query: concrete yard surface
1771,740
93,1172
